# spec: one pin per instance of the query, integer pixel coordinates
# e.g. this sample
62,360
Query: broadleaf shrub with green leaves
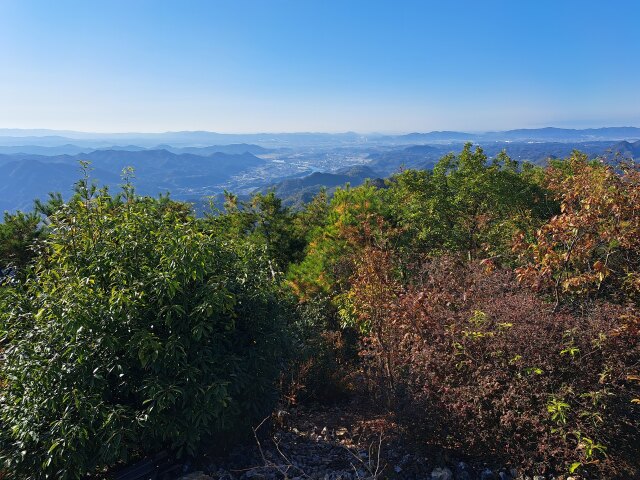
135,330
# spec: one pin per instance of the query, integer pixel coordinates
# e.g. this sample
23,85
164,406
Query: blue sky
323,65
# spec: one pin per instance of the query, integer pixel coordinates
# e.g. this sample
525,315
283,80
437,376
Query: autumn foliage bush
480,364
592,247
526,350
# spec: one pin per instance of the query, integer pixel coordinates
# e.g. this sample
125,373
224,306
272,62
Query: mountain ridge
12,137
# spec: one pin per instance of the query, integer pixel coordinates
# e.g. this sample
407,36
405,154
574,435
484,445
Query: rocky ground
340,443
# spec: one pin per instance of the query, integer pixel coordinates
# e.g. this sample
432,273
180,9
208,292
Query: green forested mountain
24,177
296,192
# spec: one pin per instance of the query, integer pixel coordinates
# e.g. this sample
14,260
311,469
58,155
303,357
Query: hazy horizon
286,66
61,132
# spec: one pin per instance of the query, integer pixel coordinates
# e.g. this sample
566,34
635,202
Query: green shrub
325,356
135,331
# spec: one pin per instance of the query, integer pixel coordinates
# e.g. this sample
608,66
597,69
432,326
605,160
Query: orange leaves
373,289
488,264
595,241
601,270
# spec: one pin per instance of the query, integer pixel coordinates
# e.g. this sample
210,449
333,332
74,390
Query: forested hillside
27,176
492,306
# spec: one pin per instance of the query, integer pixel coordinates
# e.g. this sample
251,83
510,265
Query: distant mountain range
24,177
627,149
295,192
56,138
191,166
70,149
547,134
425,156
299,190
231,149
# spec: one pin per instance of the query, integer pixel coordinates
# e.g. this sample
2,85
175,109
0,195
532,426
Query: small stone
463,472
196,476
441,474
397,469
504,476
487,474
539,477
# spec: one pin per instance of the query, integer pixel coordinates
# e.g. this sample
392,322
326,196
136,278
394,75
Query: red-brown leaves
477,362
593,246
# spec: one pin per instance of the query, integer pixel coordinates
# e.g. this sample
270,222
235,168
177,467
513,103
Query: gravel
339,444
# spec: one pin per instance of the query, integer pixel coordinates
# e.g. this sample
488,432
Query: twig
269,464
374,473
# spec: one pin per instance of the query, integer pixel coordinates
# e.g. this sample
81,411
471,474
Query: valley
193,167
